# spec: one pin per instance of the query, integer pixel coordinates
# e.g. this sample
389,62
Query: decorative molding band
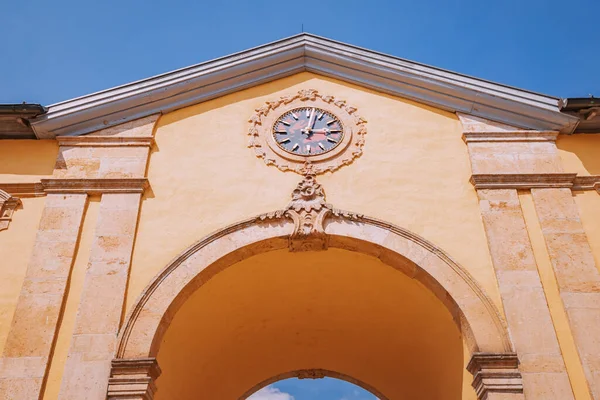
495,373
8,204
591,182
34,189
133,379
95,186
105,141
510,136
522,181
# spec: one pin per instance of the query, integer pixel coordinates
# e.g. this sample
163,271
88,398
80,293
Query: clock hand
311,122
313,117
325,131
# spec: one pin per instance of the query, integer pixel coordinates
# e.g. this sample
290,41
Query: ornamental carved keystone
495,373
311,374
308,209
8,204
261,132
133,379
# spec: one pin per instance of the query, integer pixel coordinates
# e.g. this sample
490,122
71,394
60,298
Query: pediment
432,86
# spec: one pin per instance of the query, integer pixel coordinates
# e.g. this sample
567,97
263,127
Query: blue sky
57,50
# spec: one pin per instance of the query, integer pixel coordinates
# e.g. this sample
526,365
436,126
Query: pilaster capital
133,379
523,181
536,181
495,373
95,186
74,186
105,141
510,136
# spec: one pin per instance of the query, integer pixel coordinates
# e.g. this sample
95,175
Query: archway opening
335,310
318,389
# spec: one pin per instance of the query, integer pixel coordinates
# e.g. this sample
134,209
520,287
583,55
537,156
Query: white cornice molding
433,86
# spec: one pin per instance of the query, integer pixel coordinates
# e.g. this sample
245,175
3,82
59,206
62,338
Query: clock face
308,131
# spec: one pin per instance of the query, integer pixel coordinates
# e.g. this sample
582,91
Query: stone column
527,313
26,357
133,379
100,310
576,273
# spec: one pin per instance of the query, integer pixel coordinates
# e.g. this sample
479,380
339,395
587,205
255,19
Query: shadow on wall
27,157
580,151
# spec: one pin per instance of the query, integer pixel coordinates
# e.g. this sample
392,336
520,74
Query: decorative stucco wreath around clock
307,128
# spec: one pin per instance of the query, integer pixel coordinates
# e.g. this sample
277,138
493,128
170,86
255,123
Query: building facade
302,209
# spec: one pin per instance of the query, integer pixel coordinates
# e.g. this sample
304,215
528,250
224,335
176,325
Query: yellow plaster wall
414,172
27,161
75,288
579,153
16,244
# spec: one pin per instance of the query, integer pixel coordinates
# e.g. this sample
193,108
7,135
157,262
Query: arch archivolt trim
473,311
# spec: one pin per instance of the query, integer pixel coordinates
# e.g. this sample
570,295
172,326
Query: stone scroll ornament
309,210
8,204
351,128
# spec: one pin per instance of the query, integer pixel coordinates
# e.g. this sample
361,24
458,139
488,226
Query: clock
307,128
308,131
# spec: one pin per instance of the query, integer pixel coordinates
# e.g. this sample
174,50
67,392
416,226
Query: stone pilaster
28,349
576,273
505,159
496,376
133,379
111,162
527,313
100,309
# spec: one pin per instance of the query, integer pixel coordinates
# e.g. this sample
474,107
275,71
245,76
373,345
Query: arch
477,317
313,374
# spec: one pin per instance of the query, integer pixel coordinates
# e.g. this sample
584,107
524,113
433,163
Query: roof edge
304,52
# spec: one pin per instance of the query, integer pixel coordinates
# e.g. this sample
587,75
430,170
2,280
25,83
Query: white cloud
270,393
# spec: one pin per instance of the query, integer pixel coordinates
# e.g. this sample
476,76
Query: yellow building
302,209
